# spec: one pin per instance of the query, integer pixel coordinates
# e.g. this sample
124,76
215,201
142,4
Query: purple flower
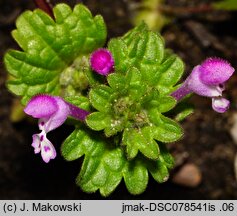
208,79
52,112
102,61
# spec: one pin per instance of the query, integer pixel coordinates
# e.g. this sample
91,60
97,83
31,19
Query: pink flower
208,79
52,112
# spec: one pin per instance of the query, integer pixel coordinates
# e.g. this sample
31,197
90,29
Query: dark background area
207,144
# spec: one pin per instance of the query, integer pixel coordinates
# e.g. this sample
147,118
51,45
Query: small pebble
188,175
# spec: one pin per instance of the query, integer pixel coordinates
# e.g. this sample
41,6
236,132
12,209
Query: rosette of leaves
130,111
55,53
131,107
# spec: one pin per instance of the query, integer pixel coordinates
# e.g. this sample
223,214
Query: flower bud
102,62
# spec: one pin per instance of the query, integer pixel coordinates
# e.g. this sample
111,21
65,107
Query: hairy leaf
136,177
50,47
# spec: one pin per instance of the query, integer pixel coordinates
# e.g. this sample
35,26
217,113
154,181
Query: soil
207,142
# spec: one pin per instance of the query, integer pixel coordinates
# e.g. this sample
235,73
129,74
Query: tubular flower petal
102,62
208,79
196,85
52,112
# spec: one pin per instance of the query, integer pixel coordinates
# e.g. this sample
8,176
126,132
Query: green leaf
140,140
98,121
80,142
100,97
134,84
147,145
225,5
103,172
165,156
164,129
119,51
133,77
114,127
161,103
95,170
136,177
130,143
166,103
89,168
160,169
184,114
146,52
49,47
182,111
116,81
112,182
171,70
